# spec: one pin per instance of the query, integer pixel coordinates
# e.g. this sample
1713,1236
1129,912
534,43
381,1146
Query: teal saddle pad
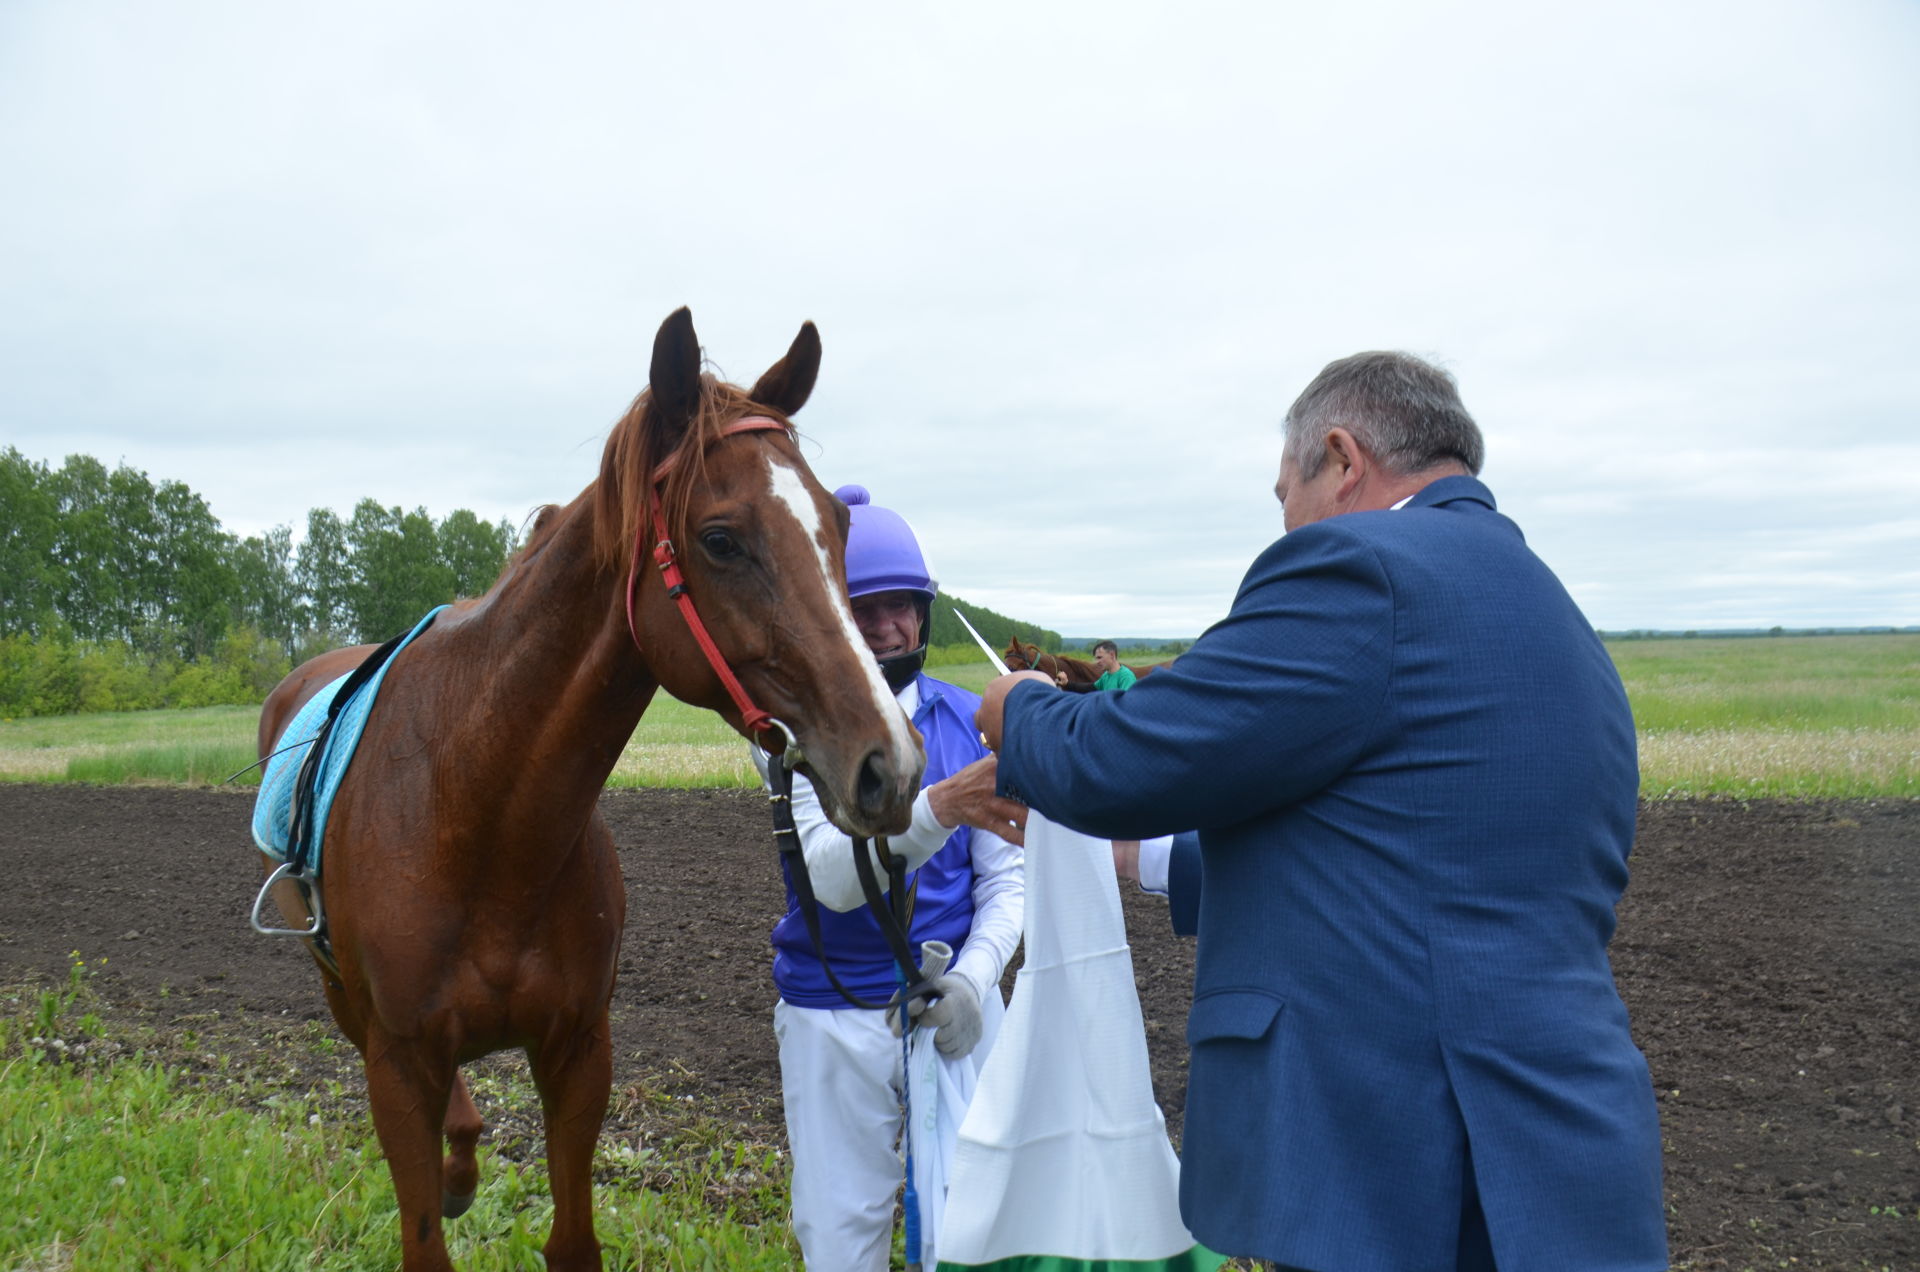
273,806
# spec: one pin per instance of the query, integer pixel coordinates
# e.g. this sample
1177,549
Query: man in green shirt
1106,656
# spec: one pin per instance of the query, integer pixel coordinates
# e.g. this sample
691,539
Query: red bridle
663,555
918,983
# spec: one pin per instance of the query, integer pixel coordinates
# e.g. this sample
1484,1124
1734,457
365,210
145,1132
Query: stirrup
309,888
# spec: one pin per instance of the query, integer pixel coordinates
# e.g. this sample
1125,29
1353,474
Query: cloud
1070,265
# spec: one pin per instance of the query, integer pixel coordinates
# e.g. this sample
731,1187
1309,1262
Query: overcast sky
1070,263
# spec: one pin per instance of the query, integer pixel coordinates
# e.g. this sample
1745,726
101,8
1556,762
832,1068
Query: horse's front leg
575,1079
408,1087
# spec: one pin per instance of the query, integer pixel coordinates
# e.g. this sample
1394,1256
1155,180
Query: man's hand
954,1016
967,799
993,703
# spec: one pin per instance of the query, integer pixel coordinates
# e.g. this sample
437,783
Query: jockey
842,1073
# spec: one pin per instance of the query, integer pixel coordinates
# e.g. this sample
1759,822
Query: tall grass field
1785,716
1792,716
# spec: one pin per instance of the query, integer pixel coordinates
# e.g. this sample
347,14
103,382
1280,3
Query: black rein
893,918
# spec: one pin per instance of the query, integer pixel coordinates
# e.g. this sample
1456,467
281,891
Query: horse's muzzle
883,793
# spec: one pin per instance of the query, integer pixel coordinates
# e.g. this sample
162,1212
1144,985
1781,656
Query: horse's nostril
874,784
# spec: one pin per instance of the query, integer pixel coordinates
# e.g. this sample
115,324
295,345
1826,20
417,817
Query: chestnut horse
1020,656
472,894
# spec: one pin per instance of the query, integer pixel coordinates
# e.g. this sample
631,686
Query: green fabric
1118,678
1197,1259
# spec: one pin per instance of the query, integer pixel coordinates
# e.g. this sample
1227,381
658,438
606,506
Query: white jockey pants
840,1079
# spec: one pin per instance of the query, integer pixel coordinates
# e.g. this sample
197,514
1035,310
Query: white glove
954,1016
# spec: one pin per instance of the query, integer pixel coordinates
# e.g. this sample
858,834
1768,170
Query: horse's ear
789,382
674,378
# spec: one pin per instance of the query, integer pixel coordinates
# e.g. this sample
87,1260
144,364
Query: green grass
1789,716
129,1163
675,745
206,764
45,748
1793,716
1799,683
679,745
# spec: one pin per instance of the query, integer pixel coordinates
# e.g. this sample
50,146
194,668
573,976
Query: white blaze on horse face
791,491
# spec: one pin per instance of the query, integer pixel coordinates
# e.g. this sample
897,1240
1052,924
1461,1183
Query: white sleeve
1155,855
829,852
999,912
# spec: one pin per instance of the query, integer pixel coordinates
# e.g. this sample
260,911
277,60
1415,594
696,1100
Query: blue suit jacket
1412,771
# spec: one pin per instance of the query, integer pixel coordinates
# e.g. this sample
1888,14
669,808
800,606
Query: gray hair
1405,411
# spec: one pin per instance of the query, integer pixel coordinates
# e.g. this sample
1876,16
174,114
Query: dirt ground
1769,954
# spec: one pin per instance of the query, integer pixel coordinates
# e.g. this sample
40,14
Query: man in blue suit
1412,771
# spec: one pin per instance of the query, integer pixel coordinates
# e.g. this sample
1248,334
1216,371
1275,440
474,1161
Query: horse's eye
719,543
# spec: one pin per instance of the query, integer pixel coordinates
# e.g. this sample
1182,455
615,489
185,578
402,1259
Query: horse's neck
560,660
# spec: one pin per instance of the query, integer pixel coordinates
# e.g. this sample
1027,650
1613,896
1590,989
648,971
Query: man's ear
1345,452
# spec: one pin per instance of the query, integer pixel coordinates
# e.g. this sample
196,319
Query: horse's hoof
452,1207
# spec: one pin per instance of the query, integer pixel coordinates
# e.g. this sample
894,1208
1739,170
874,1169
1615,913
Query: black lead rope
893,920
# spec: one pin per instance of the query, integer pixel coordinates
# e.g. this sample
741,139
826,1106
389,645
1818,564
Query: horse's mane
545,519
635,452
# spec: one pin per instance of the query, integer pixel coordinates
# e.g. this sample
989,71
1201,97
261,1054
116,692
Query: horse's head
1024,657
763,549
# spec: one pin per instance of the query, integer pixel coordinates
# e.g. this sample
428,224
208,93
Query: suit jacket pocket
1243,1014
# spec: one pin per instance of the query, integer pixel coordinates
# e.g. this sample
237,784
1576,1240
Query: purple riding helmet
884,556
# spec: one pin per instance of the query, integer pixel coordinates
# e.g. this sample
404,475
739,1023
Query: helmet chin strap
899,669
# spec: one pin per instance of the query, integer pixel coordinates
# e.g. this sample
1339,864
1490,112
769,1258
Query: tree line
120,593
944,631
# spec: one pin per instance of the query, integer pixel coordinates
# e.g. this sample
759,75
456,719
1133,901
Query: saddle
297,789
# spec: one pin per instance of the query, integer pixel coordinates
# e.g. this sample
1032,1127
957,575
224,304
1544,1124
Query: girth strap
300,831
302,847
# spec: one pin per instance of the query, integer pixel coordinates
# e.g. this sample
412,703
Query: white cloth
840,1075
1156,859
1064,1151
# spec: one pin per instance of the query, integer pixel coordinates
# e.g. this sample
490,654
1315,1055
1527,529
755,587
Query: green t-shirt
1118,678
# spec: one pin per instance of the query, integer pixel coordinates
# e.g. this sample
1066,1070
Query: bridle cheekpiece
751,716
